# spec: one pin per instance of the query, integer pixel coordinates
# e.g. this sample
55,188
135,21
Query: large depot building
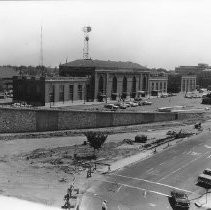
88,80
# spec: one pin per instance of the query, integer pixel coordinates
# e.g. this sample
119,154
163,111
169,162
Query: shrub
141,138
96,139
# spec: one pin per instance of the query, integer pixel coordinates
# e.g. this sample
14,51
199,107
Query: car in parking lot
147,103
121,105
111,106
132,104
180,199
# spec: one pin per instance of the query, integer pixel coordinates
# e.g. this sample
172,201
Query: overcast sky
154,33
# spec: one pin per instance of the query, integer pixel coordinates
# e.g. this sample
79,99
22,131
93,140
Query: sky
153,33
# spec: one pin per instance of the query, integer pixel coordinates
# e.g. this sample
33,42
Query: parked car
121,105
132,104
111,106
138,99
206,99
180,199
147,103
164,95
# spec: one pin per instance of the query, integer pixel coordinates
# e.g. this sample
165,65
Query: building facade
6,78
158,82
89,80
194,70
109,79
188,83
47,91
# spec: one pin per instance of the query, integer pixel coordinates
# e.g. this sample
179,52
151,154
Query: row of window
155,86
62,93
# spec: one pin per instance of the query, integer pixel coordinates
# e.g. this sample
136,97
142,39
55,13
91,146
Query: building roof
104,64
7,72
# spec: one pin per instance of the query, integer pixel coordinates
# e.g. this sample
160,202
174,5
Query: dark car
206,99
180,200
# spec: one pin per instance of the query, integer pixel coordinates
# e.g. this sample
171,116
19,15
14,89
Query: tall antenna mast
41,49
86,30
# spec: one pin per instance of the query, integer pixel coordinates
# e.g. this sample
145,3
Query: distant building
158,82
6,77
188,83
194,70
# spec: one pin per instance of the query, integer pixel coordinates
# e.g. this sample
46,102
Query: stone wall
14,120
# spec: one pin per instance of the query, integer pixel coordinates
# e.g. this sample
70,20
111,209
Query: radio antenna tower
86,30
41,49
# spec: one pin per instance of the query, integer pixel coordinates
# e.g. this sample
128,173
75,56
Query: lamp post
85,93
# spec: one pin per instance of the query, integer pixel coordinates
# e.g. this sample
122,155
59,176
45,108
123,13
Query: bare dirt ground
41,169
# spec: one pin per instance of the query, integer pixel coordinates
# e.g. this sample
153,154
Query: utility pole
41,48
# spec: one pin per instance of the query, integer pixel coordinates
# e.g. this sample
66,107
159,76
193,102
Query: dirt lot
41,170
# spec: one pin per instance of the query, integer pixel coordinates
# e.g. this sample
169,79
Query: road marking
152,204
119,188
182,166
138,188
157,183
207,146
149,170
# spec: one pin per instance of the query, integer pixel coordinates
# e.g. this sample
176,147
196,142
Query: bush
141,138
96,139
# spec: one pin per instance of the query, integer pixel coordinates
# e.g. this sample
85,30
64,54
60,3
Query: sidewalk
205,201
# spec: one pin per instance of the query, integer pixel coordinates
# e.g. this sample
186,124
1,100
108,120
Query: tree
96,139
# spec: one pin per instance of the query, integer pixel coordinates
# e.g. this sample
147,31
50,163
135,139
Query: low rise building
47,91
6,78
194,70
188,83
158,82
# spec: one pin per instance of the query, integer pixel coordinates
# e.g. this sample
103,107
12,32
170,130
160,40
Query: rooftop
104,64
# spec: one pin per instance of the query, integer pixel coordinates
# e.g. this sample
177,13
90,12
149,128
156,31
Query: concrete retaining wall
14,120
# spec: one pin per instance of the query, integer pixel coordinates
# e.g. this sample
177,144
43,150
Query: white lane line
157,183
162,163
138,188
119,188
183,166
149,170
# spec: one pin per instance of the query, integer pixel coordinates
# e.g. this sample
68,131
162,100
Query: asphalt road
147,184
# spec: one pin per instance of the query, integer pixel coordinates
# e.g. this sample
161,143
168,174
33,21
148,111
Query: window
157,86
80,92
71,90
153,86
164,86
61,92
51,93
161,85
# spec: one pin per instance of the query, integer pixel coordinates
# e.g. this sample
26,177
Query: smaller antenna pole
41,49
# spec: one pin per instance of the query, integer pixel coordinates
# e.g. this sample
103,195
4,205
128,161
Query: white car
111,106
